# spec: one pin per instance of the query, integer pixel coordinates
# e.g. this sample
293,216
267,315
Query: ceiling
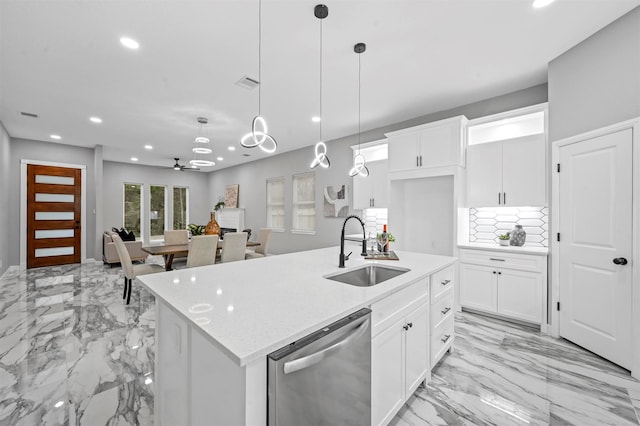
63,61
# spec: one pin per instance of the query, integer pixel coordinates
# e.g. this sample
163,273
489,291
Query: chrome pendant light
201,146
321,159
259,135
359,163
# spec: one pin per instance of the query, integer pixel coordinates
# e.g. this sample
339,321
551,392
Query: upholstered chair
202,251
234,245
176,237
264,235
129,269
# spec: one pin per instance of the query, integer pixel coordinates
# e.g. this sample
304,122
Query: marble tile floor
72,353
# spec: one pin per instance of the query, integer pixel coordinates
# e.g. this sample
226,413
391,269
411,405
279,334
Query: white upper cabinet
436,144
511,172
372,191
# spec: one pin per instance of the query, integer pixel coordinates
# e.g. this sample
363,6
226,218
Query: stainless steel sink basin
368,275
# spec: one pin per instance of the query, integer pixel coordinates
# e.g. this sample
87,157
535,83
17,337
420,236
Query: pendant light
321,11
259,135
201,146
359,163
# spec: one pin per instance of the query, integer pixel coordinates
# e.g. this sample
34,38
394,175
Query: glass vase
518,236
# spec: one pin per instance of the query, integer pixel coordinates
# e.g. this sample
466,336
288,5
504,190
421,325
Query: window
275,203
157,195
304,203
132,208
180,211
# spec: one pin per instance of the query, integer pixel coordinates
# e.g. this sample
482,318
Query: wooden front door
596,245
53,215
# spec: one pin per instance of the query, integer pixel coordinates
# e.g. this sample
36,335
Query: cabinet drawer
525,262
386,311
441,339
441,281
442,309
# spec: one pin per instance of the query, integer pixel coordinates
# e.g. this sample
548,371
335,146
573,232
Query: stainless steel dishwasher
323,378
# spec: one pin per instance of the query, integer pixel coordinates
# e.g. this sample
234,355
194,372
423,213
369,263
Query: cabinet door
379,178
362,191
439,145
484,174
520,295
524,171
416,349
387,385
403,151
172,368
478,287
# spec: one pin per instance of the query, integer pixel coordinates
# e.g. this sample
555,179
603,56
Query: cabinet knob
494,272
406,327
620,261
499,273
410,324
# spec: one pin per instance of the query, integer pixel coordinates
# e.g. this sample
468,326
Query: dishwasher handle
314,358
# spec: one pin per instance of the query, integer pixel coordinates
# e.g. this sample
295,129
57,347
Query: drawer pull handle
445,282
445,311
446,337
496,259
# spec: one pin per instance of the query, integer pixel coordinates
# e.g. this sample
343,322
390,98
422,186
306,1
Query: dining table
170,251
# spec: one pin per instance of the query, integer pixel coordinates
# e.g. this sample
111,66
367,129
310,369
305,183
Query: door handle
620,261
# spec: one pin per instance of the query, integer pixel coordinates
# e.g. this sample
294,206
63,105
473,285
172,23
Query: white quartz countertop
249,309
525,249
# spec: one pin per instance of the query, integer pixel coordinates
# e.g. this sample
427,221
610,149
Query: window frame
142,208
295,205
166,219
173,206
270,205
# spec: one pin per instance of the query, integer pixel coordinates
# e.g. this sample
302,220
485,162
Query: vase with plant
503,239
195,229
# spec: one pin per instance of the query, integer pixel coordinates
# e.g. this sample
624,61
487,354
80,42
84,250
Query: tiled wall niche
487,223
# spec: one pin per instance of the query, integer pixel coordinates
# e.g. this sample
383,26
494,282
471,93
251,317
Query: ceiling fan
182,167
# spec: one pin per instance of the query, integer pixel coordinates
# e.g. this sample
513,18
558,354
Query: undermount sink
368,275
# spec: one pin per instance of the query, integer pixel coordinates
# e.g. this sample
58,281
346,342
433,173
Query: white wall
116,174
597,82
252,176
4,196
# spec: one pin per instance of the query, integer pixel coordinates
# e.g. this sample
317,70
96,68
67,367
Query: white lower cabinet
511,285
442,312
399,350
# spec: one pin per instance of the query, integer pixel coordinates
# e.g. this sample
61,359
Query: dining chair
264,235
175,237
130,270
202,251
234,245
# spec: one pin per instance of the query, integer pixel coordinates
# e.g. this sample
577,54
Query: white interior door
595,223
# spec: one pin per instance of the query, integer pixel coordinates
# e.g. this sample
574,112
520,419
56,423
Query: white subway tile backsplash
374,220
487,223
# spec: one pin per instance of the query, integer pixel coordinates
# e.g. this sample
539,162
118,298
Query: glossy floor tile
71,353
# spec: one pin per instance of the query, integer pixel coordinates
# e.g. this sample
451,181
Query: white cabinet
372,191
172,385
436,144
511,172
399,349
442,312
509,284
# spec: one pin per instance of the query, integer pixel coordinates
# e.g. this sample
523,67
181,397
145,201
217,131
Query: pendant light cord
359,95
321,116
260,58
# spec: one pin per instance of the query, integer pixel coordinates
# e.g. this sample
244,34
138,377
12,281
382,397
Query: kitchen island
216,324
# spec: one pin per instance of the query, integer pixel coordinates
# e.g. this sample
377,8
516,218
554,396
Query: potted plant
195,229
503,239
218,206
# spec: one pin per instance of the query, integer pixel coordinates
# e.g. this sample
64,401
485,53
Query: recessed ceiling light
232,148
219,158
134,158
148,147
315,119
541,3
59,404
129,42
97,120
56,137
